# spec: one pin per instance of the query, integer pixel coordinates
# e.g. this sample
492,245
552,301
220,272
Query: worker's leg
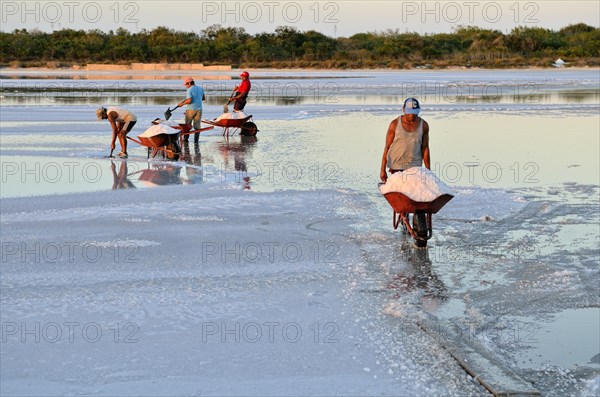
197,125
123,137
189,116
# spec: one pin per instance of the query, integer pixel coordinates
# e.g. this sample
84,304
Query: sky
341,18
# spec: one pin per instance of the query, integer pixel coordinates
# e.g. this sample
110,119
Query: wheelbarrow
160,139
231,126
422,225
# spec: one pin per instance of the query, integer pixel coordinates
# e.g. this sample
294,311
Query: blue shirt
196,93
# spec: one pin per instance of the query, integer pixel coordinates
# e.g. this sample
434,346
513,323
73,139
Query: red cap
245,74
188,80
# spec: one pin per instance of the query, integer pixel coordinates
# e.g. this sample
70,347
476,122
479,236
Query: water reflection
282,93
121,178
160,174
194,173
232,166
238,153
419,277
151,99
80,98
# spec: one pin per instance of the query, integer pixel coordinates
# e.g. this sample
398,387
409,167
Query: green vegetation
289,48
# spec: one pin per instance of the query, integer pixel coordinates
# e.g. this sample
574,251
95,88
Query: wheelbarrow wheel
173,150
420,228
249,129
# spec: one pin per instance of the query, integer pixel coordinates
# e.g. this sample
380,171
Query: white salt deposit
157,130
232,115
170,123
150,289
417,183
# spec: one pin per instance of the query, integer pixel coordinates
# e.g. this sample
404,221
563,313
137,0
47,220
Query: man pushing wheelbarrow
406,142
411,188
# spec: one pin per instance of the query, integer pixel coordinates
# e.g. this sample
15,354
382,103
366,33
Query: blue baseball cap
411,106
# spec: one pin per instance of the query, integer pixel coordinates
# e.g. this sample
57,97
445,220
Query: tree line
578,44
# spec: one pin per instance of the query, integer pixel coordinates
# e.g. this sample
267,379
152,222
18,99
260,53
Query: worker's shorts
239,104
128,126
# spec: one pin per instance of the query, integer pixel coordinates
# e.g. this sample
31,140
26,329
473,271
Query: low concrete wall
100,67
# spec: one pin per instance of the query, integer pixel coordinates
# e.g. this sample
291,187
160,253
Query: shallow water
479,149
545,340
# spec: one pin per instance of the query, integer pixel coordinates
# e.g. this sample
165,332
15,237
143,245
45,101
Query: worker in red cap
241,92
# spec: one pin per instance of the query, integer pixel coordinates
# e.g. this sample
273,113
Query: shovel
168,113
226,108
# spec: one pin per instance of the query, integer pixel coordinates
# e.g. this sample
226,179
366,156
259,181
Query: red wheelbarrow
160,140
231,126
422,226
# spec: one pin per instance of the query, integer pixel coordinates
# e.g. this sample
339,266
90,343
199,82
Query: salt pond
290,229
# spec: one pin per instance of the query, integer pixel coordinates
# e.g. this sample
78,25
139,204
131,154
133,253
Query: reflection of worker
421,278
194,172
407,141
241,92
120,181
193,113
122,121
240,153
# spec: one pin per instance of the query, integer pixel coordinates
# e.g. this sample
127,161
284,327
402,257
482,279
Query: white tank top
124,115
